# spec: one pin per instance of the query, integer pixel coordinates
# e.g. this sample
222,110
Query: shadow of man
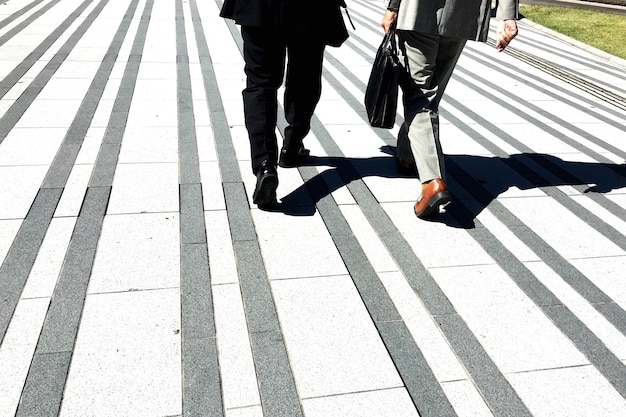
475,181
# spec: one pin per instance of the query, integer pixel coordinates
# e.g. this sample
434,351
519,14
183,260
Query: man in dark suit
273,30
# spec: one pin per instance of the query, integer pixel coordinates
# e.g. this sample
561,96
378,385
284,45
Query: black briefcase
381,93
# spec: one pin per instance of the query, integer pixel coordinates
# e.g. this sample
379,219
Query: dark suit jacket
321,19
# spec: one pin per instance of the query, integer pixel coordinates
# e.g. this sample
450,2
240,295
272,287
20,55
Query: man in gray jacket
432,34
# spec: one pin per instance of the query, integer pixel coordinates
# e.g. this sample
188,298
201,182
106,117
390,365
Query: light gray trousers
429,60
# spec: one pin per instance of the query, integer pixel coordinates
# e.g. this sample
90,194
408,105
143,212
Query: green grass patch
605,31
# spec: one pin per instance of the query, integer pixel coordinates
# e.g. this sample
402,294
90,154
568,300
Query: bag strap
343,4
389,42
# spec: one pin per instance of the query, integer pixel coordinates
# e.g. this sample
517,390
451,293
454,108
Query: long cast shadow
479,178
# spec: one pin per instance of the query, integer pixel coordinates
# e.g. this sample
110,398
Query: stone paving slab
138,279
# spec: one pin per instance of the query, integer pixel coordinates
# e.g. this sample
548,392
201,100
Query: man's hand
389,19
507,30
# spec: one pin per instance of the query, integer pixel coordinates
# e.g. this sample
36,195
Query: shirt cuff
392,4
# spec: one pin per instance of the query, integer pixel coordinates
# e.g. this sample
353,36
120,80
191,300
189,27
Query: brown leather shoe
434,194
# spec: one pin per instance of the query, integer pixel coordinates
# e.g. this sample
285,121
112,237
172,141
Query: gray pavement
137,279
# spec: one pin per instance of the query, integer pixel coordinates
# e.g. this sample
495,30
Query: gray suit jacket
467,19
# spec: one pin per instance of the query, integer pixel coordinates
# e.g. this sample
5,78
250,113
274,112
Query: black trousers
265,53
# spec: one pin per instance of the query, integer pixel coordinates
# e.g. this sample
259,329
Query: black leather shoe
266,185
289,159
406,168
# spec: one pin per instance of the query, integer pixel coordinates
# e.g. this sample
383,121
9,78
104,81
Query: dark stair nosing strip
587,289
277,388
423,283
575,102
19,27
30,235
14,76
489,381
585,341
567,76
45,381
565,177
502,385
202,390
613,313
18,13
21,256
